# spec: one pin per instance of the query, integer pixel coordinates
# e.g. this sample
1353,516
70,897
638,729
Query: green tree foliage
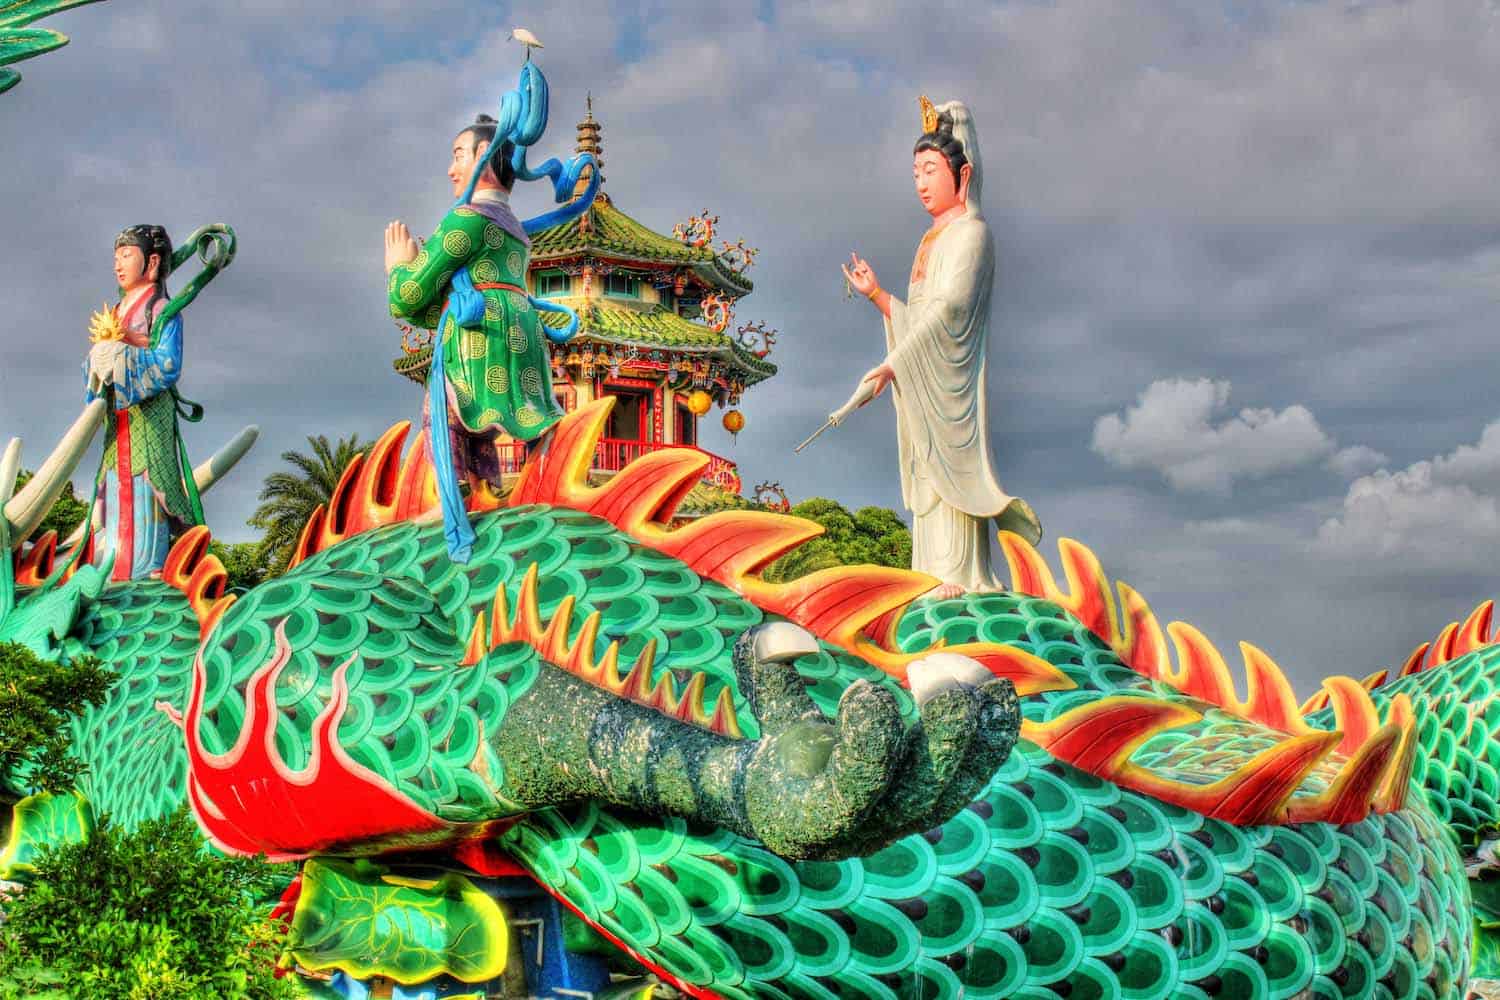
246,562
149,915
870,535
65,514
36,698
288,499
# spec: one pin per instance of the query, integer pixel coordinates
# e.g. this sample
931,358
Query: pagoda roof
605,231
652,328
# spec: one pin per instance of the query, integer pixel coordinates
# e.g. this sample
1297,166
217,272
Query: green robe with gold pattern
499,376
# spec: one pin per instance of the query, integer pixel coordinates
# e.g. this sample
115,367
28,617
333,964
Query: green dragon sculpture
811,789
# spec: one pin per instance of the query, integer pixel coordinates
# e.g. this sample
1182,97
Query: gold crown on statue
929,115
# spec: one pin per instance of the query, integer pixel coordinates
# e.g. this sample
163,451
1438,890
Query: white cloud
1170,430
1356,460
1408,514
1437,514
1475,465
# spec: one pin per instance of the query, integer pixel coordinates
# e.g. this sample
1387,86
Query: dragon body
677,751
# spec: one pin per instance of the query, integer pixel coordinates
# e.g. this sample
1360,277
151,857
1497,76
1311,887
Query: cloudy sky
1249,252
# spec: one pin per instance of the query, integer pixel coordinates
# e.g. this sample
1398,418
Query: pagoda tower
654,313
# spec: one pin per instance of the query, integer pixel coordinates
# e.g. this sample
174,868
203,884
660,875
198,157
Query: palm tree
288,499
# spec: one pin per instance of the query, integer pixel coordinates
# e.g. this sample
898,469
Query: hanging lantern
734,422
699,402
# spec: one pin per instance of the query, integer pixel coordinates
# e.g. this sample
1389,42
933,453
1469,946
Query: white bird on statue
527,39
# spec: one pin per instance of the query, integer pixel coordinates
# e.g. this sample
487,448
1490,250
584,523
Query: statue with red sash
145,492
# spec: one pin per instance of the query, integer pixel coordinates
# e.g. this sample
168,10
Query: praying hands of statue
400,246
861,277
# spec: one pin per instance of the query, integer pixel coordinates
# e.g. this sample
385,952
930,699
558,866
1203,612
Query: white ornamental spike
24,511
206,474
10,467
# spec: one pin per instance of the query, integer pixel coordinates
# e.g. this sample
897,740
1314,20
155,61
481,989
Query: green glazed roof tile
655,327
615,234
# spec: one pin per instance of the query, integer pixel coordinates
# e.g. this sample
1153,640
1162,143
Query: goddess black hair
483,130
150,240
941,140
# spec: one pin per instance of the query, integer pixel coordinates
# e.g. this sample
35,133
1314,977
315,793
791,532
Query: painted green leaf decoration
365,920
18,42
1486,950
19,13
1486,892
40,821
23,43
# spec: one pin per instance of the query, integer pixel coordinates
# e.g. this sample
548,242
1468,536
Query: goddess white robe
935,342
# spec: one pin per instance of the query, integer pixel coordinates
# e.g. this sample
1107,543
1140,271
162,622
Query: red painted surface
613,454
125,547
248,801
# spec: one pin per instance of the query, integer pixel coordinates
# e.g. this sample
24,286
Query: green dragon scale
757,798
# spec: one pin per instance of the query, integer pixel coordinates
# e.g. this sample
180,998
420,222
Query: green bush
869,536
65,514
148,915
36,698
245,562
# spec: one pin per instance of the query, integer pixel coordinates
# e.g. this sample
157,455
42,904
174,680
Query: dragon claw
780,642
937,672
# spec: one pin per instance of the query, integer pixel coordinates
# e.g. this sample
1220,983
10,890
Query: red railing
613,454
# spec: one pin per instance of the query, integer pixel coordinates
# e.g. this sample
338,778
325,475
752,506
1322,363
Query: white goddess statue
935,343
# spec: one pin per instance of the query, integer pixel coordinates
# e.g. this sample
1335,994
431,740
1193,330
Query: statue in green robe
491,368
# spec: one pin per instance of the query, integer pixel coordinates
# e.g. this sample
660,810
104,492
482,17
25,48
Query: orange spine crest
200,576
841,606
1143,642
1378,756
1101,737
34,563
1352,794
551,641
1397,783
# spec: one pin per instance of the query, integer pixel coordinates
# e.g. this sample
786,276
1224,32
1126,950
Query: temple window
623,285
551,283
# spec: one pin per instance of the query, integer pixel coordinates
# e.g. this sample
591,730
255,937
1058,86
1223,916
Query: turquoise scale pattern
146,633
1457,709
1051,884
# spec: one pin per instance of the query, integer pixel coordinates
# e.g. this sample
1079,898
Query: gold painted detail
457,244
929,114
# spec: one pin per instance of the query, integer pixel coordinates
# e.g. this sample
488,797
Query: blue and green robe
141,448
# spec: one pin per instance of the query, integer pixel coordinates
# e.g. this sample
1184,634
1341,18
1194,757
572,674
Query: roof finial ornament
588,142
